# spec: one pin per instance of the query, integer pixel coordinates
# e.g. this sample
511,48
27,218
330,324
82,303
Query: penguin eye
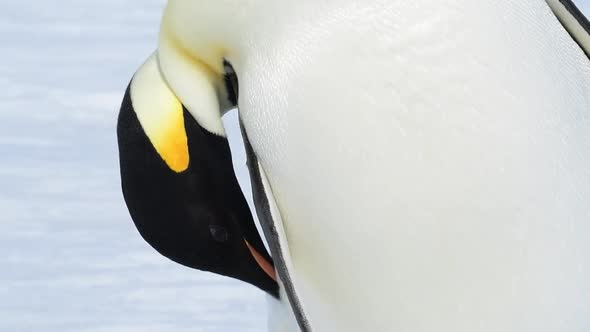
219,233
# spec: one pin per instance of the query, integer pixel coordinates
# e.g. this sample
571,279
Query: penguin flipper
574,21
272,225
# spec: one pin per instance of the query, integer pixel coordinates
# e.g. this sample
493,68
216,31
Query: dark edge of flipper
270,231
573,19
577,14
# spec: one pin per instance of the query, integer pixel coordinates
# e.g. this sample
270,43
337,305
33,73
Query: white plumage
430,159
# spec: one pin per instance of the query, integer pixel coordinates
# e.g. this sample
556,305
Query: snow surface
71,259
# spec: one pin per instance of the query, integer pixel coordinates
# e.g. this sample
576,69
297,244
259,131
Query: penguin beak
180,188
266,265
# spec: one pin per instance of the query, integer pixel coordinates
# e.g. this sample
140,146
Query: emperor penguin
416,165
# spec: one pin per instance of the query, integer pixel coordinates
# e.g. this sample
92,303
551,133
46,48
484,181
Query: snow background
71,259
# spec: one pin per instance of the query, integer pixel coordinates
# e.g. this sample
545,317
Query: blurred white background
71,259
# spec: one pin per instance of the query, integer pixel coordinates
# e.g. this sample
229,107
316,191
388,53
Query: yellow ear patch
171,143
160,114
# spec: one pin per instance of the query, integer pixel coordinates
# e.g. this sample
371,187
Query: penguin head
178,180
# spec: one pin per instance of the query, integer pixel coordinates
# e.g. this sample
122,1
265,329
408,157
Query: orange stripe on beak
265,265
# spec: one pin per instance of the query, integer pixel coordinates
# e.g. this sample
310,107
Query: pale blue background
70,258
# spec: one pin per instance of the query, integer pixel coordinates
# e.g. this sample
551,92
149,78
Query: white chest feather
431,161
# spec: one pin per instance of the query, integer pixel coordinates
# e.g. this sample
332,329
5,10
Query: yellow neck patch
160,114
